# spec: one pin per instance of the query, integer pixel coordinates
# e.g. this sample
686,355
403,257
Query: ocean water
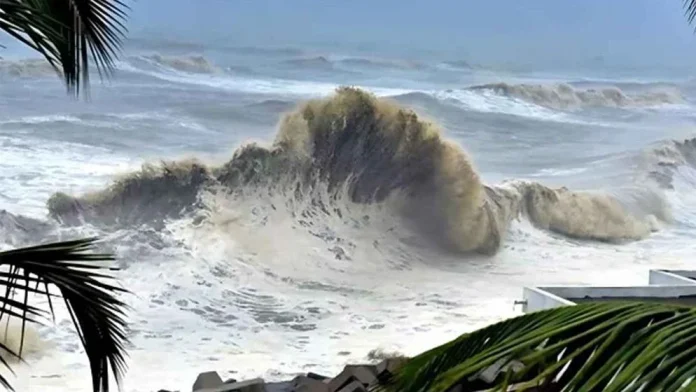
280,237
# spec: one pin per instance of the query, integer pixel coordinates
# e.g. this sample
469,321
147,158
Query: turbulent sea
269,222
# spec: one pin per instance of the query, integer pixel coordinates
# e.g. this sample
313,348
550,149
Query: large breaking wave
355,148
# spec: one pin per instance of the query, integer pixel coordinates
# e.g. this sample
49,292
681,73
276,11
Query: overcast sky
628,31
620,32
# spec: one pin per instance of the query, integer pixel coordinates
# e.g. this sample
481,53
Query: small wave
272,105
51,118
565,96
266,51
322,62
381,63
319,62
356,148
459,64
27,68
190,64
493,103
284,87
418,98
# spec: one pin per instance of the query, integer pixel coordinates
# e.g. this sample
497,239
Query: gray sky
620,31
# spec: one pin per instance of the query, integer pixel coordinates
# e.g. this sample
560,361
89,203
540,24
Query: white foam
36,168
484,101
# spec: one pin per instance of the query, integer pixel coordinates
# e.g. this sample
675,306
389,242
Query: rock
354,386
255,385
316,376
308,384
387,367
207,380
364,374
285,386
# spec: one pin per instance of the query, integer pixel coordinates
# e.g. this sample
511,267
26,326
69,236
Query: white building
670,286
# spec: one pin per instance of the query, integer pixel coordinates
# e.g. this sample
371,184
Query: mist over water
290,207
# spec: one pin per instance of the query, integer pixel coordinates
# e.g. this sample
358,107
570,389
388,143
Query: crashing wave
565,96
18,230
190,64
664,160
370,152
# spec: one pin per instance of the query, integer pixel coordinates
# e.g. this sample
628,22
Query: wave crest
368,151
565,96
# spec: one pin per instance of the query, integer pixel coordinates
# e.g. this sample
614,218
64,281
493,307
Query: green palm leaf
588,347
78,276
68,33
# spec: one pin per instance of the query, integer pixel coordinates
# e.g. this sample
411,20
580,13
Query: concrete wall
671,277
655,291
662,284
536,298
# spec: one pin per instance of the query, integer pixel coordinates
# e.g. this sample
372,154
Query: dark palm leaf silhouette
78,275
70,34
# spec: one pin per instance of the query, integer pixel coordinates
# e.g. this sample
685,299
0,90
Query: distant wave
272,105
264,50
27,68
353,148
326,63
381,63
459,64
319,62
39,68
485,103
565,96
169,45
190,64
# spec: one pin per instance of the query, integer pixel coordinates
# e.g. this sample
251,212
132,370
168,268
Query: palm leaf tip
77,273
593,346
70,34
690,10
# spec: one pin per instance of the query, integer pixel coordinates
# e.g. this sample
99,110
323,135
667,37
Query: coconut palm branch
629,346
70,34
690,10
78,275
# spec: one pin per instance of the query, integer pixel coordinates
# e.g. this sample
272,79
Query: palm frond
588,347
690,10
97,313
68,33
